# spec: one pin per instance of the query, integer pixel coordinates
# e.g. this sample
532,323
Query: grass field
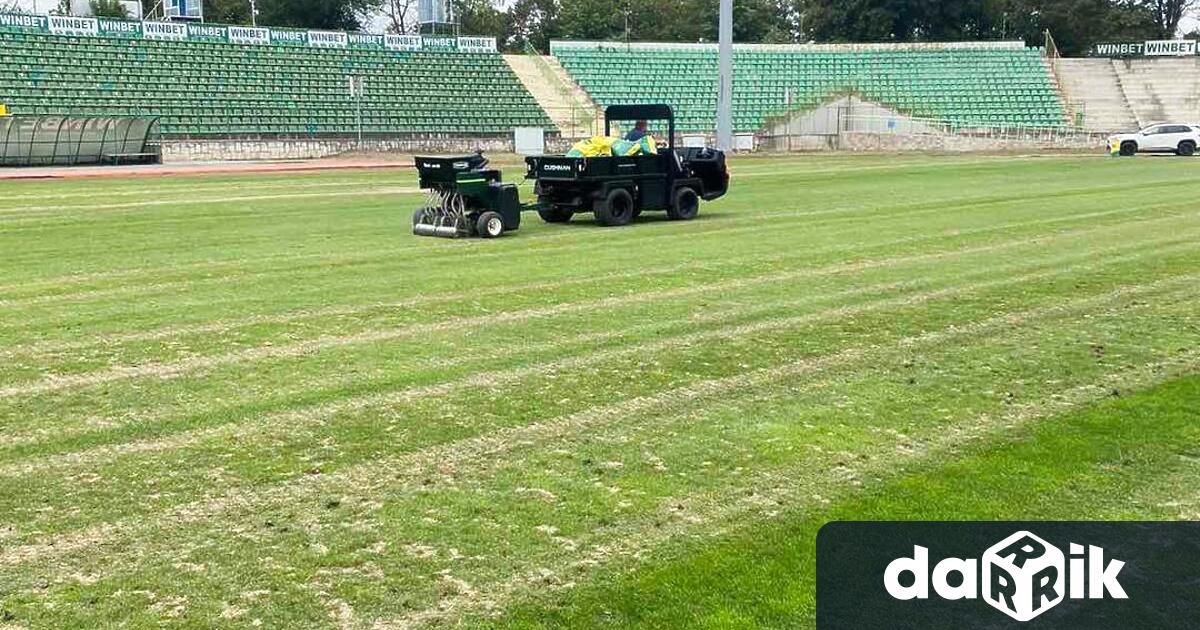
259,401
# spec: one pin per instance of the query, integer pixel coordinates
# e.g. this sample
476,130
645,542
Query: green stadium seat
975,84
217,89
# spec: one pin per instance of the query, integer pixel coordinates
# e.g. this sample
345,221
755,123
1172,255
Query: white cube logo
1023,576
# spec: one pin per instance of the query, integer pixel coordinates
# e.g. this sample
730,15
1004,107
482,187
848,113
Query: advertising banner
364,40
328,39
69,25
477,44
249,35
1171,48
176,31
1157,48
27,22
165,30
403,42
437,42
208,32
288,37
120,28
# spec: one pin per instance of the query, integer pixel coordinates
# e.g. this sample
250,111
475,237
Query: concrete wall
1161,90
966,144
852,124
1094,92
310,148
846,113
851,140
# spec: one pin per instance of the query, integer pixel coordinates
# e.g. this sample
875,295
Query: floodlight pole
358,92
725,69
253,14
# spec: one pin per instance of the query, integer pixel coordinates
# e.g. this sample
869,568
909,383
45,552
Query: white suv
1166,138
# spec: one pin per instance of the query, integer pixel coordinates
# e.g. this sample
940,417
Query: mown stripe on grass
59,281
706,504
226,326
361,477
283,427
186,190
303,417
762,572
15,437
603,242
172,369
193,200
767,493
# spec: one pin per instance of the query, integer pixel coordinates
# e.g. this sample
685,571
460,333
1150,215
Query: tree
1168,14
343,15
479,17
227,11
1077,25
592,19
531,22
402,15
109,9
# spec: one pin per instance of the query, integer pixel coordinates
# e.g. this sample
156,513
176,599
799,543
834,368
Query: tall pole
725,95
358,80
253,14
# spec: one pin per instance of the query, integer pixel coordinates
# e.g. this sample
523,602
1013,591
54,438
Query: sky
1189,24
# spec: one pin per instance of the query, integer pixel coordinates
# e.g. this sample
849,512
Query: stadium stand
993,84
1093,89
1127,94
1161,90
207,89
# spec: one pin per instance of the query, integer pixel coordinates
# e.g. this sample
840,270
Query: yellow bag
596,146
606,146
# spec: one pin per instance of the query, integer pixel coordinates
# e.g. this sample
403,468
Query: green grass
230,401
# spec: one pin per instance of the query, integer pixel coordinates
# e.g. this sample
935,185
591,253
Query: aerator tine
443,216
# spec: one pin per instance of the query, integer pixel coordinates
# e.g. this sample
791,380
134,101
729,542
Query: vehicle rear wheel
685,206
616,209
555,215
489,225
1187,148
1129,149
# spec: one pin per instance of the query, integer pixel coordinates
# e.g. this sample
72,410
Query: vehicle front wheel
615,209
1129,149
1187,148
489,225
685,206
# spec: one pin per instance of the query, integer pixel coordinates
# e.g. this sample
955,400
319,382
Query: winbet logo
1023,576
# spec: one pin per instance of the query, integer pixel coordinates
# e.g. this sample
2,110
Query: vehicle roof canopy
641,112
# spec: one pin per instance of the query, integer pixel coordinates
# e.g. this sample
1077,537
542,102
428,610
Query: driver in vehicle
639,131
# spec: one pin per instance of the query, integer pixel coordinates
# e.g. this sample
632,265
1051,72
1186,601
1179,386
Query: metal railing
836,124
581,115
